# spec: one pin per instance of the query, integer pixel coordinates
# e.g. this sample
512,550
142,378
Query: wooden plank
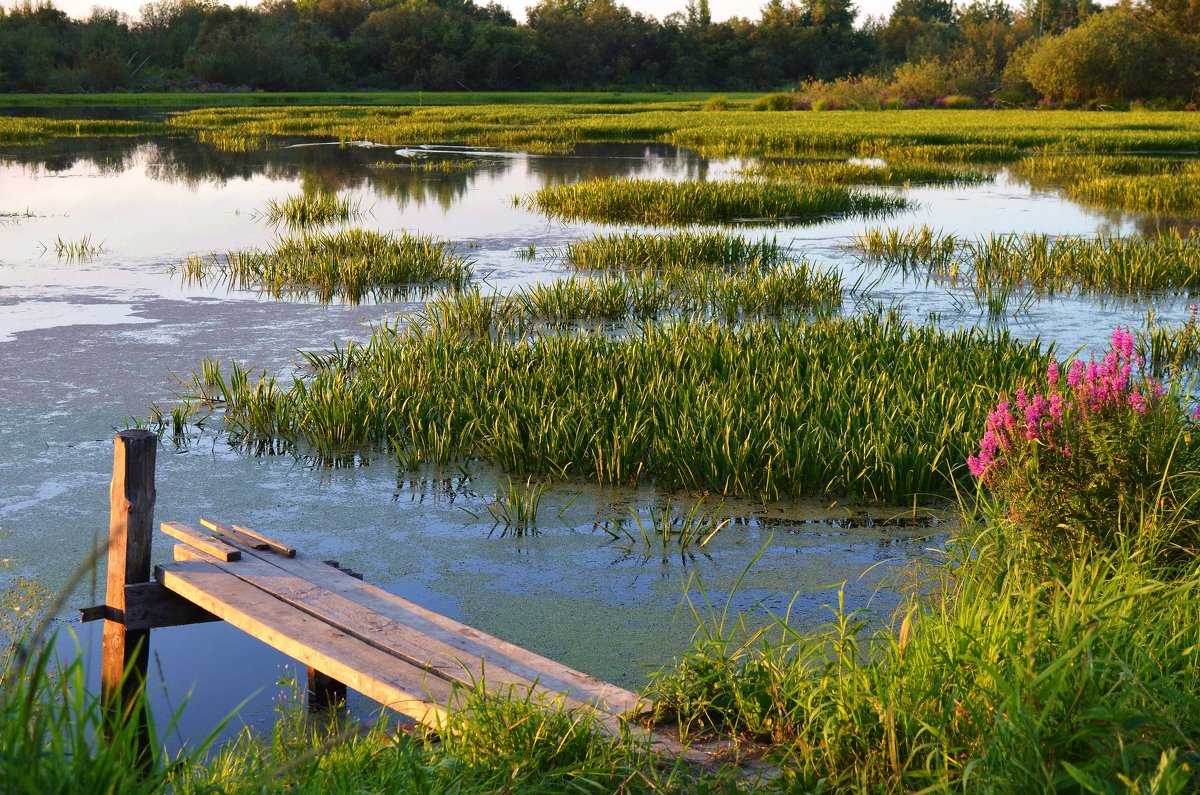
468,642
256,538
210,545
373,673
233,535
183,552
282,549
379,631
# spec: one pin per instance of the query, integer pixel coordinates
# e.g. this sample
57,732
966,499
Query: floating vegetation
527,253
869,406
833,172
1131,265
350,265
693,248
304,211
76,250
665,529
516,507
672,203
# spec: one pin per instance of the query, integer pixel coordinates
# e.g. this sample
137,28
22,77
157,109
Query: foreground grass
673,203
999,676
868,406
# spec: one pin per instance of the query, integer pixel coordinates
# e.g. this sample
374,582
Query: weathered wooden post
130,528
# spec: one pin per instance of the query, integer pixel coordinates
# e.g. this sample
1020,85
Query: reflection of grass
349,264
663,202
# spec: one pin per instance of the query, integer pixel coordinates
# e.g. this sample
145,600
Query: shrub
1086,462
718,102
774,102
959,102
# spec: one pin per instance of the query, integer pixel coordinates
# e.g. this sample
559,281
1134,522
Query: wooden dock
347,632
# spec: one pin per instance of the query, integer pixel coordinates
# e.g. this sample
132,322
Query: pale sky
721,9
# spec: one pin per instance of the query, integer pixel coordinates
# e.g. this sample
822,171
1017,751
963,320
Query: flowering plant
1089,459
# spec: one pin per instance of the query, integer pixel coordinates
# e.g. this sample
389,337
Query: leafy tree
1112,56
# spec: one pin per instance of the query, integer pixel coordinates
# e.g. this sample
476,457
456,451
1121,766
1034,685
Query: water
86,345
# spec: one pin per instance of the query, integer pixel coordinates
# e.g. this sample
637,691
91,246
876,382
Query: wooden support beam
148,605
126,652
325,692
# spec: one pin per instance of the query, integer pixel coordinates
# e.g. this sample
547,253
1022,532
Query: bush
718,102
959,102
775,102
1104,460
847,93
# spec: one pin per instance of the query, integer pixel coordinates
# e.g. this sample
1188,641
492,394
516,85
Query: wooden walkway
405,657
348,633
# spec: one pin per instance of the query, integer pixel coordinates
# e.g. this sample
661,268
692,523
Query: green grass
77,250
28,130
349,265
834,172
677,203
364,98
665,529
516,507
867,406
707,248
1044,265
304,211
995,677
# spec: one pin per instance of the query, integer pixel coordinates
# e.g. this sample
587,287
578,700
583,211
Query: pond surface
84,345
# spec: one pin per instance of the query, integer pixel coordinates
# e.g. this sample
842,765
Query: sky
721,9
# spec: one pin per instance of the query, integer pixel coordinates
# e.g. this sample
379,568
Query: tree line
1060,51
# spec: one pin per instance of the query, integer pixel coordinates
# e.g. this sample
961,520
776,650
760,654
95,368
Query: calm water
84,346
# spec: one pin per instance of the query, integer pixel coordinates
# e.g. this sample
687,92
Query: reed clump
866,406
695,248
836,172
1113,264
308,210
349,265
673,203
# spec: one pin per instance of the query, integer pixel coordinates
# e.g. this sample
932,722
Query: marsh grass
866,406
516,507
665,528
995,676
30,130
350,265
1161,193
1044,265
76,250
675,203
688,248
309,210
835,172
1170,351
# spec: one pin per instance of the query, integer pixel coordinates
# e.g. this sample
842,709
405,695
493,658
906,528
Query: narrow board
375,674
469,642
